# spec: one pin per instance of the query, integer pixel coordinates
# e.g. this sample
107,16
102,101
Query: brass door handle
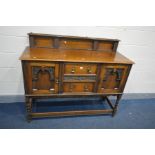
56,81
71,87
86,88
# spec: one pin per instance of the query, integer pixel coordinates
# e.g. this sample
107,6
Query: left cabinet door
41,77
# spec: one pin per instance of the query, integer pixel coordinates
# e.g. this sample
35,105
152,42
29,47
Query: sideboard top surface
64,55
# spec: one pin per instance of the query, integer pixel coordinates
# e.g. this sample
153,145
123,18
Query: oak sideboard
56,66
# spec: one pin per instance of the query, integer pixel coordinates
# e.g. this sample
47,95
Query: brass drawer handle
89,70
52,90
34,89
71,87
115,88
86,88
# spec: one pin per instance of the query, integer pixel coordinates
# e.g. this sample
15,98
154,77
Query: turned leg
33,100
116,104
103,98
29,108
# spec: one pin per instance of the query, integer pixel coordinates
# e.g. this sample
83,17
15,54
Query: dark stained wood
110,104
71,37
61,78
109,81
41,82
118,97
97,78
71,94
75,44
72,42
80,68
58,55
72,113
78,87
95,45
28,102
64,66
127,75
56,43
25,79
115,46
31,41
105,46
43,42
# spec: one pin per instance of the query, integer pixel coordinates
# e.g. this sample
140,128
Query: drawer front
113,78
80,68
78,87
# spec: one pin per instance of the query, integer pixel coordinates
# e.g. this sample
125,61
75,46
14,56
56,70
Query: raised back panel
69,42
43,42
66,43
105,45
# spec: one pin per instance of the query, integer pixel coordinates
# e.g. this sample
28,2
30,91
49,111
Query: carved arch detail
114,74
36,70
114,71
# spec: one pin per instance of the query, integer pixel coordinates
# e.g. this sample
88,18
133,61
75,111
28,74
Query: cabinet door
113,78
44,78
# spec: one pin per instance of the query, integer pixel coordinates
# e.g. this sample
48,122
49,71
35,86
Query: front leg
116,104
103,98
29,108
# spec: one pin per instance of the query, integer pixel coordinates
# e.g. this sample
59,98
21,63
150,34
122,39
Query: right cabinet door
113,78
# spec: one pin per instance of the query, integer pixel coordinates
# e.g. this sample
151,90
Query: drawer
78,87
80,68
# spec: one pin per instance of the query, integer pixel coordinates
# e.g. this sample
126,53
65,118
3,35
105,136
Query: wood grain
64,66
72,42
58,55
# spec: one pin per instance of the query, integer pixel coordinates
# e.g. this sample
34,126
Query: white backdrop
137,43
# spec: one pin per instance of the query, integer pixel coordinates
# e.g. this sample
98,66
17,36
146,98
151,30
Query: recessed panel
105,46
75,44
43,42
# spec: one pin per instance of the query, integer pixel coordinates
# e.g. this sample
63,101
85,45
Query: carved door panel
44,78
113,78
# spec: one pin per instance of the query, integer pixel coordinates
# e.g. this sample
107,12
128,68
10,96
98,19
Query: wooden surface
72,113
72,37
47,54
65,66
72,42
